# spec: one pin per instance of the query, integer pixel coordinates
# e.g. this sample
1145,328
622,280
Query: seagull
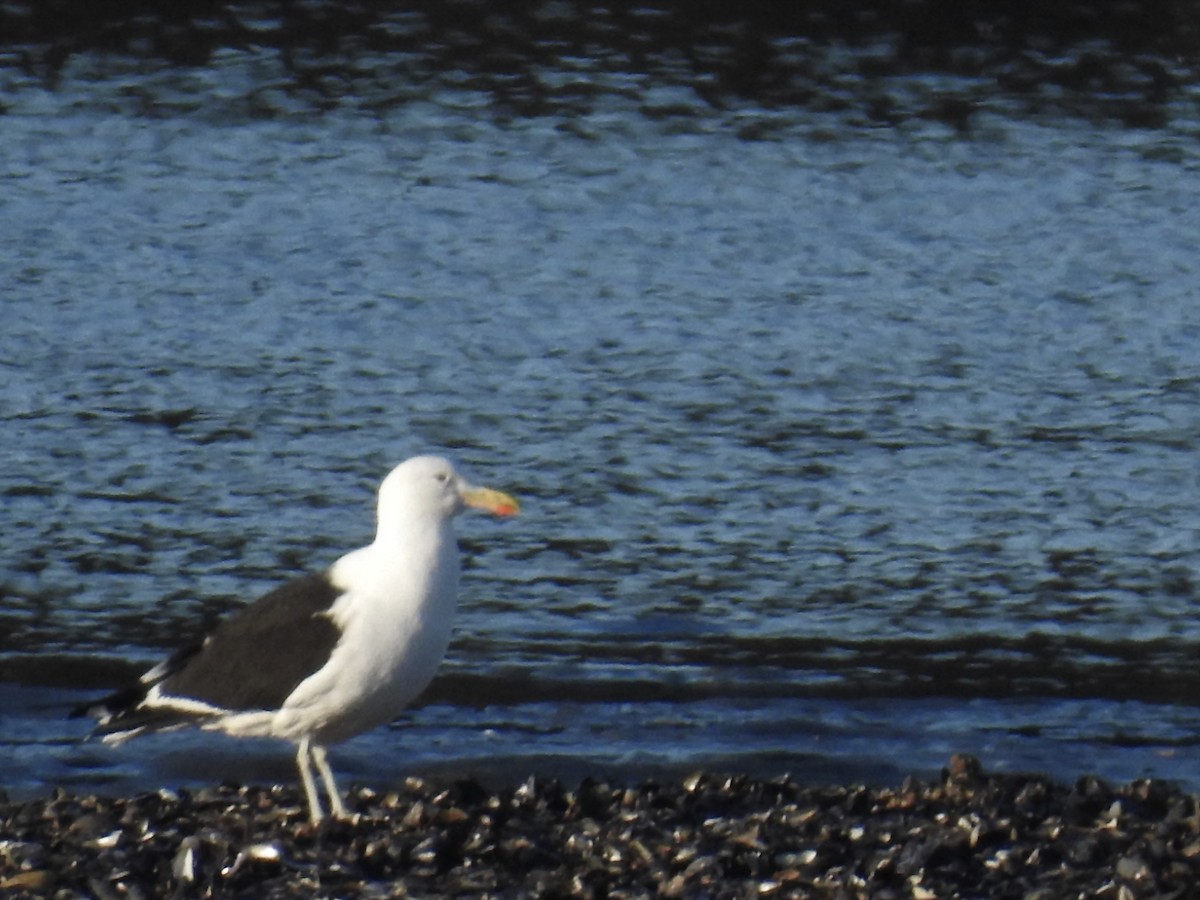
325,656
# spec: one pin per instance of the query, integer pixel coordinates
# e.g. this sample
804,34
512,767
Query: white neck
403,564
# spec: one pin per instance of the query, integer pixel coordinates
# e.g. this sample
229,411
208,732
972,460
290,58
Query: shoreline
967,833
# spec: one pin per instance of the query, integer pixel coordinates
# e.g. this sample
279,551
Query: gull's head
429,486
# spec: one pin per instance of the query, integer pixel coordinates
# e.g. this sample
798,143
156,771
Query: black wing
253,660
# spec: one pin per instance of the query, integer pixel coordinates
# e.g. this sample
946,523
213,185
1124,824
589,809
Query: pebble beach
967,834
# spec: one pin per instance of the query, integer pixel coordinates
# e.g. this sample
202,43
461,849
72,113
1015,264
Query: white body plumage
326,657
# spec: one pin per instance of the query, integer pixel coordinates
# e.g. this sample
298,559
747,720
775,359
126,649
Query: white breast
396,617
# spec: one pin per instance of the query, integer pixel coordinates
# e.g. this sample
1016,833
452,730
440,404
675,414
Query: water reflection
876,64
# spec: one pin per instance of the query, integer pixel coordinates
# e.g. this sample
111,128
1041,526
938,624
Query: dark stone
970,835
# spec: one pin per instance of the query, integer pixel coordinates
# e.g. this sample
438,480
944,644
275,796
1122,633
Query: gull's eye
443,477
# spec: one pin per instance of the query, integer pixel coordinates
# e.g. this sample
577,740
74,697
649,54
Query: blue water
841,447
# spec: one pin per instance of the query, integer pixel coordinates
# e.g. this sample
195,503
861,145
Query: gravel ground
968,835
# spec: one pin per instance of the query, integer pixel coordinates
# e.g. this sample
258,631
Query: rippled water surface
845,441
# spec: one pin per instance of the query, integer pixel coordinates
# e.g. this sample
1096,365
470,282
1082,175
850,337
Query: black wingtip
111,706
80,712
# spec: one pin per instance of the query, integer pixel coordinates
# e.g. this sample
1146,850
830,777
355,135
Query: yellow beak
496,502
